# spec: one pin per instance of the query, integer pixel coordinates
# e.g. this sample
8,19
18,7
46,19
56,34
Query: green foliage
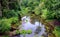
9,13
24,11
14,20
29,31
17,32
15,5
47,14
57,28
23,32
26,31
5,36
4,26
25,7
57,31
58,15
52,4
48,8
44,13
37,11
52,7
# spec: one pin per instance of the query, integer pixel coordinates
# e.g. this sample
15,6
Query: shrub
9,13
57,31
23,32
26,32
14,20
17,32
48,15
29,31
4,26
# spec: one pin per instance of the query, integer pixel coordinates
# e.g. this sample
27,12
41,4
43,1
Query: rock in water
38,30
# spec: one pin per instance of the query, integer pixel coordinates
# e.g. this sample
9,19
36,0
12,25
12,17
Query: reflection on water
37,27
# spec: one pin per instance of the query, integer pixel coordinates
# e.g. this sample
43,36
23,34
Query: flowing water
26,25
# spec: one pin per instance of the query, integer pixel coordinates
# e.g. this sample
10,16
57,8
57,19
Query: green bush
57,31
23,32
48,15
17,32
4,26
14,20
58,15
9,13
26,32
29,31
37,10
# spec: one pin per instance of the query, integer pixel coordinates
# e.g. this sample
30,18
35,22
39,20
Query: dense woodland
45,10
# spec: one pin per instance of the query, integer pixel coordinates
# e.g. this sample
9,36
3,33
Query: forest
45,11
